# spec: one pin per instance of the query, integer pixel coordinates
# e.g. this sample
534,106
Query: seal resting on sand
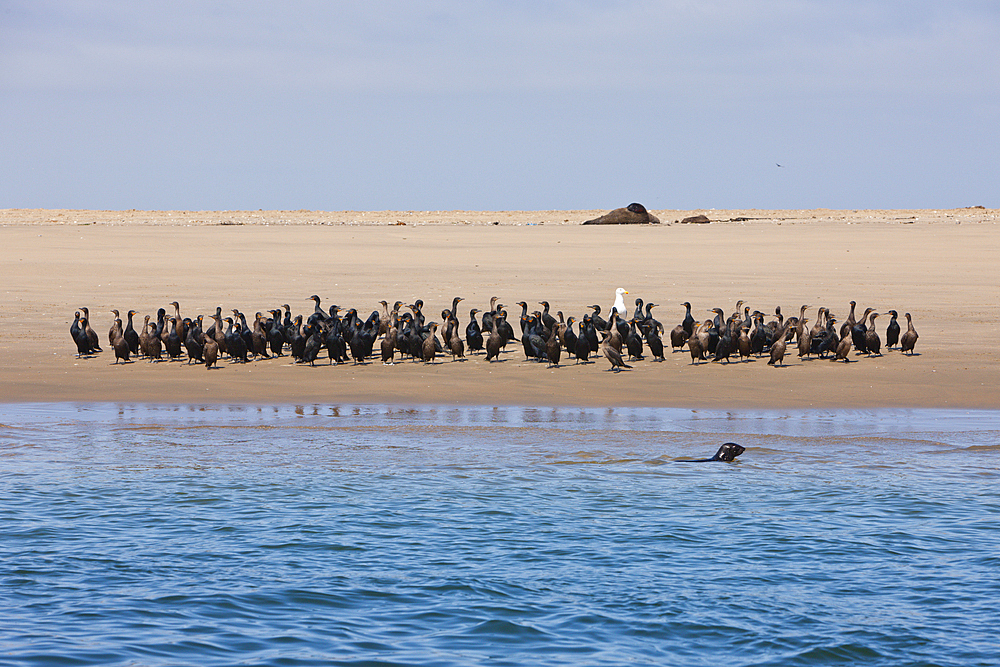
633,214
727,452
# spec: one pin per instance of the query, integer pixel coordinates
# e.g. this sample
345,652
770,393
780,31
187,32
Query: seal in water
728,452
633,214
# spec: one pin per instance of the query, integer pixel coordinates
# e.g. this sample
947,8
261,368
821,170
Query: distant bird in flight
779,165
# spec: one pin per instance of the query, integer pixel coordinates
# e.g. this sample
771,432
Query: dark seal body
633,214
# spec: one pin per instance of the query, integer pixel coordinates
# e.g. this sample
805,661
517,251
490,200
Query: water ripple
307,535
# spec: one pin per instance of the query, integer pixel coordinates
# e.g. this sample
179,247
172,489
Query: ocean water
364,535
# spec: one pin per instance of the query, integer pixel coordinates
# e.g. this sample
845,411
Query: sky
499,105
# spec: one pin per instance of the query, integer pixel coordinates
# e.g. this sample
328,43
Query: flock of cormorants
544,336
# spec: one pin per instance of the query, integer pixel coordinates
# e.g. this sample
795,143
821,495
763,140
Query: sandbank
940,266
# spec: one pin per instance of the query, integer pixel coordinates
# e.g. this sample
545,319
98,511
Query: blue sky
472,104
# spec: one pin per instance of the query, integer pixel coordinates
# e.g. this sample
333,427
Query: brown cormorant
210,352
181,330
848,325
873,344
610,353
155,345
743,343
455,344
615,338
388,345
429,349
909,338
820,325
843,348
800,324
780,343
386,322
446,330
116,325
144,338
258,337
220,333
803,337
698,343
118,344
495,340
678,337
490,315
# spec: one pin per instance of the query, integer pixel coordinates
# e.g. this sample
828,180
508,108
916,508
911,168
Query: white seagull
620,303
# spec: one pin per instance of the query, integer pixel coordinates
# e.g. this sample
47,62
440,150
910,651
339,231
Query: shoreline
938,265
361,410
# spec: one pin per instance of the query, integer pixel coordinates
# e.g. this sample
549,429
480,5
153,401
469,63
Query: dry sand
941,266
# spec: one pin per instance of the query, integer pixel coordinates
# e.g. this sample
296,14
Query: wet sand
940,266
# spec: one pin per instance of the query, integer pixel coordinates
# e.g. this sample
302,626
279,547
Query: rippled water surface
162,535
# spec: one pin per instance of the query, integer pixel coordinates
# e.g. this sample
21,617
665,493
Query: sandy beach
940,266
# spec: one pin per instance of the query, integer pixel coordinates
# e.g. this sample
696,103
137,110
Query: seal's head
728,452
